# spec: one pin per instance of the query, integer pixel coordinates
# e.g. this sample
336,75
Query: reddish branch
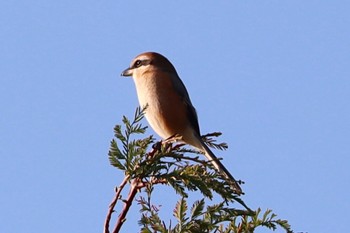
113,203
135,186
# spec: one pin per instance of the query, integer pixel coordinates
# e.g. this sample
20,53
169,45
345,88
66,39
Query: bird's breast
166,111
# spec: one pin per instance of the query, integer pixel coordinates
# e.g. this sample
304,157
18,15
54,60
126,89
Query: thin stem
135,186
113,203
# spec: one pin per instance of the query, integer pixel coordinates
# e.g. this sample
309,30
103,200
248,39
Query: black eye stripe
138,63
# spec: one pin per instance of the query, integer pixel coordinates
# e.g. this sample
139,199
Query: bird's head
148,62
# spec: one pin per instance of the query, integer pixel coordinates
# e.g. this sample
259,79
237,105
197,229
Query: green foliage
186,173
133,150
208,139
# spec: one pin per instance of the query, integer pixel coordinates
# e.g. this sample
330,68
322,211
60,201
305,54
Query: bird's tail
220,167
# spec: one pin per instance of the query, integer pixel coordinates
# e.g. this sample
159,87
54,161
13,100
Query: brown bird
169,108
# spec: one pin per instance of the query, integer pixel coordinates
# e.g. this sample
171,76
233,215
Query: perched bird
169,108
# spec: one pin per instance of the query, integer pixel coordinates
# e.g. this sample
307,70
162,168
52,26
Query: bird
169,109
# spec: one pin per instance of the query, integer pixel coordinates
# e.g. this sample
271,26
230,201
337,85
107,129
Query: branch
135,186
113,203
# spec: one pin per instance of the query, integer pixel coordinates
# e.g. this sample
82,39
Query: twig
154,180
135,186
113,203
214,134
194,159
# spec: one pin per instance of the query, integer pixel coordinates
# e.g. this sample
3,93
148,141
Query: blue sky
273,76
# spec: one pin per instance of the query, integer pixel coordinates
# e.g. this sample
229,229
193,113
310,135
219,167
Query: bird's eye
138,63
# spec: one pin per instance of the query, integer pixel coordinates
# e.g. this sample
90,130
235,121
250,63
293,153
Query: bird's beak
127,72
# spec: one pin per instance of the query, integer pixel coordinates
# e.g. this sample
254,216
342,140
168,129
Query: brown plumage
169,108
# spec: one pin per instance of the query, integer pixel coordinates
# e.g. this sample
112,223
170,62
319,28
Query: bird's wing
191,111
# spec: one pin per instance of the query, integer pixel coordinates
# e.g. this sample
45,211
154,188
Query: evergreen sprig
132,149
186,172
